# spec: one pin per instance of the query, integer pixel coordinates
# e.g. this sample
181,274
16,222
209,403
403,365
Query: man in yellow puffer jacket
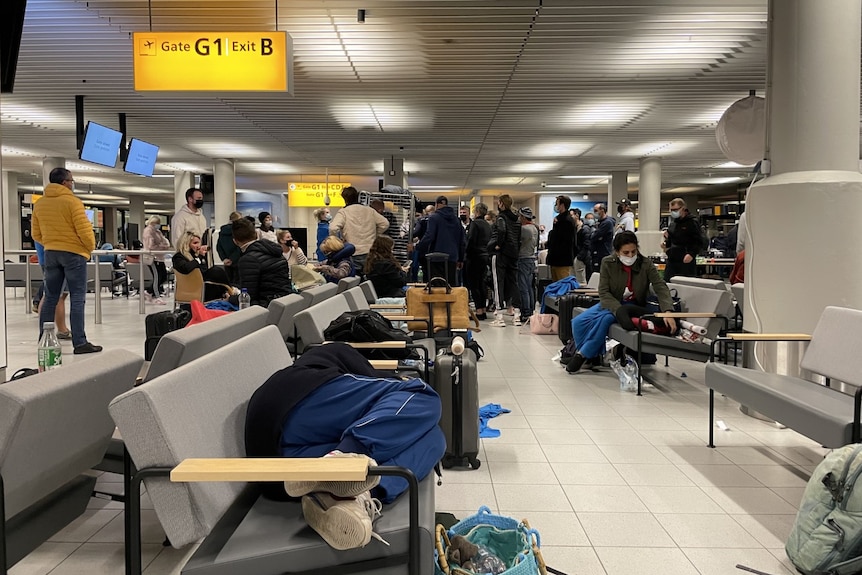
61,225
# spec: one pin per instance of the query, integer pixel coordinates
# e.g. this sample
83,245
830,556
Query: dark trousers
475,270
504,274
679,269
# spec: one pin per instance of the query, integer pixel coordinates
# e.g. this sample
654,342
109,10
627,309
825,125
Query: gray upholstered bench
54,427
701,306
198,411
281,313
817,411
317,294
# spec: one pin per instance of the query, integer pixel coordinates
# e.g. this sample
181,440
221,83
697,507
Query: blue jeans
72,268
526,269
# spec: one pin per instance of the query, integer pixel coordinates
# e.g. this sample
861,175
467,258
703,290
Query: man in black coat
602,239
263,271
682,242
561,240
476,259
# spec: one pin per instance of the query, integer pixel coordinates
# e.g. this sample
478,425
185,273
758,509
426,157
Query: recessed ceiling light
558,149
535,167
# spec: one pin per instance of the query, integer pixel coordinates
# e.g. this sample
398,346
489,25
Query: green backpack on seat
827,536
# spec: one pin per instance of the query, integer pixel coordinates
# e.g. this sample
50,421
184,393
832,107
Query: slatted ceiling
452,65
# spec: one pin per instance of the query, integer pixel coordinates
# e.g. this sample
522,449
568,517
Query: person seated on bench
384,271
263,271
624,283
338,263
190,256
332,403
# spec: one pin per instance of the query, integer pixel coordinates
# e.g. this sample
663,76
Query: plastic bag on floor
627,372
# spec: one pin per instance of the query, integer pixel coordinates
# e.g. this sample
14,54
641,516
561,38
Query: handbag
653,306
545,324
438,306
514,542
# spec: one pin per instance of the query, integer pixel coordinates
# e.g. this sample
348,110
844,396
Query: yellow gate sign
212,61
311,194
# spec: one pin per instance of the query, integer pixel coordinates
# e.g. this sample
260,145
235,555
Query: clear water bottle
244,299
420,277
50,354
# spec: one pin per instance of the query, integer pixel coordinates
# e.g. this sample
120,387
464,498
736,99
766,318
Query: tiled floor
615,483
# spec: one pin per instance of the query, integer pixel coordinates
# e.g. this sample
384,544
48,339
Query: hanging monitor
101,145
141,158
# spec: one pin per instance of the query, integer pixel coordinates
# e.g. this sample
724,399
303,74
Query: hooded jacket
614,278
60,222
445,234
264,272
359,225
272,403
185,220
506,236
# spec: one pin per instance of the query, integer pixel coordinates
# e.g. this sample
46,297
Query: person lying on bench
332,403
626,277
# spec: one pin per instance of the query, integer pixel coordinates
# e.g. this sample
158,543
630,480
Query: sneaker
516,321
337,488
576,363
64,335
158,301
343,523
35,307
498,320
87,348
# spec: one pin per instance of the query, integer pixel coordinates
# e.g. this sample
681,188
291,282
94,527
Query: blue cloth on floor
558,288
221,304
486,412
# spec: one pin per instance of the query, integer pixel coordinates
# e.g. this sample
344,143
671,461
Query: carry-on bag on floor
456,380
565,304
160,323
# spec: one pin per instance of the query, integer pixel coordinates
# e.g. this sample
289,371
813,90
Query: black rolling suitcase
160,323
565,305
456,380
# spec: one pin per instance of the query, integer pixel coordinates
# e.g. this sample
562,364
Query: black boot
576,363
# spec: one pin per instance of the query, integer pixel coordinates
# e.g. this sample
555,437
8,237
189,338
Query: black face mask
199,204
463,217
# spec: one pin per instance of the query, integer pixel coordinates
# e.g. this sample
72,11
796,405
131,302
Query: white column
618,188
11,211
136,216
649,206
109,220
224,174
182,182
814,72
813,145
49,164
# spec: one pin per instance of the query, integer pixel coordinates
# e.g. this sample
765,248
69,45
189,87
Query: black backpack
368,326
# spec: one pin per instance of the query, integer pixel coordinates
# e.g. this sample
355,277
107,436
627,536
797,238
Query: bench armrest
271,469
769,336
384,364
684,314
386,306
374,344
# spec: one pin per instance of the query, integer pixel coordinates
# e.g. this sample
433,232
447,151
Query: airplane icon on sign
149,43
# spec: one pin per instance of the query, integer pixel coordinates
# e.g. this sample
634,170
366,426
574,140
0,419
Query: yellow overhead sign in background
311,195
213,61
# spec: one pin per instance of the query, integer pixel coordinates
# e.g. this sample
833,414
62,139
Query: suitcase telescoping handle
457,397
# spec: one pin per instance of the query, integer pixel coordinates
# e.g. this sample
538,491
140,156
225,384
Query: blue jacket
558,288
445,234
322,234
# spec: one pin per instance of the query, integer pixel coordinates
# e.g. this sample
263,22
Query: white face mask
628,261
674,214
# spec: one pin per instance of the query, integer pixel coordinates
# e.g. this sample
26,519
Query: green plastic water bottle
49,354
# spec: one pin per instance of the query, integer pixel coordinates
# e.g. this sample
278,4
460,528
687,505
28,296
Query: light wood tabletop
769,336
